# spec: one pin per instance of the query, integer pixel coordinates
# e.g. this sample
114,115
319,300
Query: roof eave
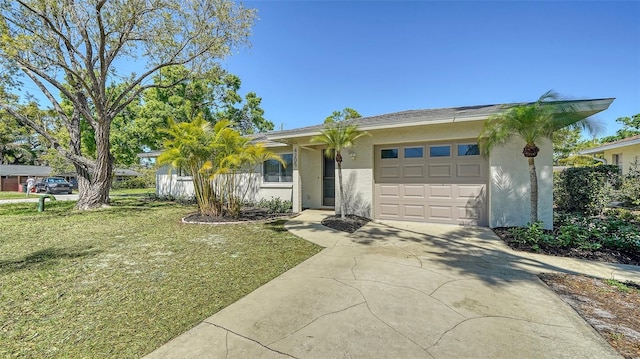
612,146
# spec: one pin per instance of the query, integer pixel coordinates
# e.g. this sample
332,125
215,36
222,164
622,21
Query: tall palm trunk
534,189
343,206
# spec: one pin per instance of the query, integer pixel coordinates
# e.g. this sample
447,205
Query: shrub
630,188
618,230
586,189
273,205
533,235
133,182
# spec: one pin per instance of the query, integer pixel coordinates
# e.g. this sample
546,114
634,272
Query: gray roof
427,116
25,170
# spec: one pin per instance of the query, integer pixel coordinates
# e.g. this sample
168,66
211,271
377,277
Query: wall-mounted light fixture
352,155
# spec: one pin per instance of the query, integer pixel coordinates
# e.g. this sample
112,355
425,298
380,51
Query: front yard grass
13,195
122,281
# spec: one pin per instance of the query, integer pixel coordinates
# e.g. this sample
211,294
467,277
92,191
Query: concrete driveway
402,290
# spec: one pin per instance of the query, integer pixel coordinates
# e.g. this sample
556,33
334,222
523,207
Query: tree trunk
343,206
94,184
534,189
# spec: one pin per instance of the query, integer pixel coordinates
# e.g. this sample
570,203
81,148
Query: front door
328,180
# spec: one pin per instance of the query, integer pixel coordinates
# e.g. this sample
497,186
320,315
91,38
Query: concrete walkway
403,290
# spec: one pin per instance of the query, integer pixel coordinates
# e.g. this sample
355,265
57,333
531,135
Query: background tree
567,142
346,114
338,136
72,47
630,127
533,123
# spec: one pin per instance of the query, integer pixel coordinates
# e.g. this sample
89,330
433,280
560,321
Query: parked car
54,185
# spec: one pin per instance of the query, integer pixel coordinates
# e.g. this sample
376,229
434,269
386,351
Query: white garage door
443,182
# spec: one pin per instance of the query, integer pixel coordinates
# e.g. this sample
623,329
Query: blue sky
310,58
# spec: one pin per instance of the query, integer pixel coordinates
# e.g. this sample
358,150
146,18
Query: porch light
352,155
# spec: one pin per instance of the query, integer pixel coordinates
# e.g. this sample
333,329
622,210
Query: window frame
449,145
404,152
283,173
397,149
467,144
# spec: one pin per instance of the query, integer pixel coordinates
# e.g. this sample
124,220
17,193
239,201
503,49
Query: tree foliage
533,123
346,114
78,49
630,127
338,136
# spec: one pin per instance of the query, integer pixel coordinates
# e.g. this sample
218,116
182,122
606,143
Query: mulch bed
246,215
349,224
611,311
600,255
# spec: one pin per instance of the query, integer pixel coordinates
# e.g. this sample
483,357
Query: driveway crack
250,339
487,317
385,323
315,319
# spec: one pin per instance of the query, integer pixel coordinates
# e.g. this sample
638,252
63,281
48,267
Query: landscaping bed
609,306
612,237
349,224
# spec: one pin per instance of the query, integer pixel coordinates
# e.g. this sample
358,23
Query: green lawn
122,281
113,193
13,195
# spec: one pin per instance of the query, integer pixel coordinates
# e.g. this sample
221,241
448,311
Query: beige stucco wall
630,154
509,191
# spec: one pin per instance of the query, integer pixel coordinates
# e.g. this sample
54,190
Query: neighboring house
419,165
624,153
12,176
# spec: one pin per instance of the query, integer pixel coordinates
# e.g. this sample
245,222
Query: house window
389,153
274,171
183,172
468,150
617,159
413,152
440,151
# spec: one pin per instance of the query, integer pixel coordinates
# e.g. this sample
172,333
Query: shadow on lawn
45,258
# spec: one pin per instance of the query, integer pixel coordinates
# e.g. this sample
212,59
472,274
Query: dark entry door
328,180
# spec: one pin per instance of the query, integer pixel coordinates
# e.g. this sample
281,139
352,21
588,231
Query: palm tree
338,136
533,122
217,158
189,146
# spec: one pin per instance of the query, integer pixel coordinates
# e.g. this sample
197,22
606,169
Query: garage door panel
469,191
440,212
390,210
390,171
440,170
473,170
469,212
413,171
414,211
413,191
440,192
389,190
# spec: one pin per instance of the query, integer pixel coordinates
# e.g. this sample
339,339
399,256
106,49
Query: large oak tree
77,50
